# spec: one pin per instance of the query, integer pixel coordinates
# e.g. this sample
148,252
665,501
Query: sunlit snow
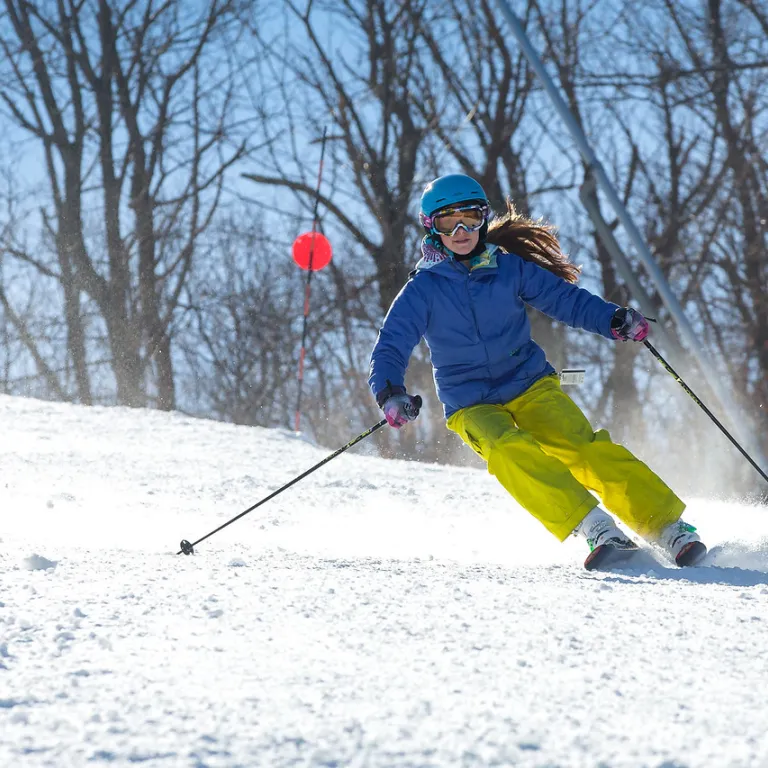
379,613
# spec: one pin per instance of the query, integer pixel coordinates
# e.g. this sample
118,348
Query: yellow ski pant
542,449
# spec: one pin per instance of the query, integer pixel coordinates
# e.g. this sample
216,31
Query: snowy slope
379,613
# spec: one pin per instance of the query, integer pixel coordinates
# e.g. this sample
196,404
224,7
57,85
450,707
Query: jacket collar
435,257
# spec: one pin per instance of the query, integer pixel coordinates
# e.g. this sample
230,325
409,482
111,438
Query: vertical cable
307,287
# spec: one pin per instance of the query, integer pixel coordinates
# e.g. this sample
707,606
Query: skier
467,298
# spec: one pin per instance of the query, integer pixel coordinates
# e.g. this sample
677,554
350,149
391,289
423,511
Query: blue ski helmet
447,191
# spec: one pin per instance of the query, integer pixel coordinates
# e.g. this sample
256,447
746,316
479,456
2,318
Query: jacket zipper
477,325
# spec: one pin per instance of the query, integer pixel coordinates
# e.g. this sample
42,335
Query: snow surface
379,613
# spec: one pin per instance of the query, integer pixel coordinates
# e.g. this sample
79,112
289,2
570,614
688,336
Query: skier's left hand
629,325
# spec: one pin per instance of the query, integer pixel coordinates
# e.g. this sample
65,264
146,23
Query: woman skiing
467,298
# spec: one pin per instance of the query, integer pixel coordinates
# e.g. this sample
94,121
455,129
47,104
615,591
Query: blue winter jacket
474,321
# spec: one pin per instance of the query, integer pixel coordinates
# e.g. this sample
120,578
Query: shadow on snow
735,564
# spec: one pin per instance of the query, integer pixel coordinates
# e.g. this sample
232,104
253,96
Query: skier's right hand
400,409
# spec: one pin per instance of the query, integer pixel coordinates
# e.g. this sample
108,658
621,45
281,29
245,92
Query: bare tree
365,88
474,98
241,344
364,91
705,193
130,103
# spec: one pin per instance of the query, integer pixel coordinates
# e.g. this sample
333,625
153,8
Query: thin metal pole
703,407
643,252
307,286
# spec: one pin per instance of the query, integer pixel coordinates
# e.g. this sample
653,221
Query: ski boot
609,547
681,542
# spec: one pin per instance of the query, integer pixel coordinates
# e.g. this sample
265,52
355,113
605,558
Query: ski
608,556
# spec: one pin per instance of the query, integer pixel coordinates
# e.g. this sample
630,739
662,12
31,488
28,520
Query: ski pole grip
412,408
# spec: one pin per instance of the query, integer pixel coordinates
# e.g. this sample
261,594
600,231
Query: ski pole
703,407
188,548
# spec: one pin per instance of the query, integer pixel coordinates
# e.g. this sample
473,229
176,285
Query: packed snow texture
379,613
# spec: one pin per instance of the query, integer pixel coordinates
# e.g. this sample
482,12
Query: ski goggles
449,221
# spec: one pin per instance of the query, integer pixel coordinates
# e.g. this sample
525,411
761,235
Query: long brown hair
533,241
